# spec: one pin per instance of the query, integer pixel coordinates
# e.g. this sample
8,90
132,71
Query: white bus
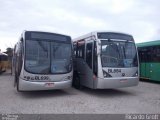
42,61
105,60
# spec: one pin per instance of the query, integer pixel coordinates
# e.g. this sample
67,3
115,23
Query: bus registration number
123,80
49,84
114,70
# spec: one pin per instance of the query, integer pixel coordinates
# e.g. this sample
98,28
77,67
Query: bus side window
95,64
89,54
80,50
156,54
142,54
149,54
74,50
145,54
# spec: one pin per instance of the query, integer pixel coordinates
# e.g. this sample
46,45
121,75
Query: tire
16,82
18,86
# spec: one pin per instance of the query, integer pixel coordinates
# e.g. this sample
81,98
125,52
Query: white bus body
42,61
105,60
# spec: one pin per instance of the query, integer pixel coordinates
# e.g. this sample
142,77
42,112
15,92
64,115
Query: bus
42,61
3,62
105,60
149,59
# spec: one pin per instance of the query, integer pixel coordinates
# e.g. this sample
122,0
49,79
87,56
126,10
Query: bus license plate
49,84
123,80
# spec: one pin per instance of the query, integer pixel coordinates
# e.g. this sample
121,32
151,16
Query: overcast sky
141,18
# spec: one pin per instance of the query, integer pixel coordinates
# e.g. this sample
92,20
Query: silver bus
42,61
105,60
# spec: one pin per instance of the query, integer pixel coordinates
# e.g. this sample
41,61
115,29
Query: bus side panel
150,71
145,69
155,71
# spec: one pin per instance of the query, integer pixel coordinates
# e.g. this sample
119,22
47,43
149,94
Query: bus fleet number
114,70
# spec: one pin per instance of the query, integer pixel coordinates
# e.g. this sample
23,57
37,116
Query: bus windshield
118,54
46,57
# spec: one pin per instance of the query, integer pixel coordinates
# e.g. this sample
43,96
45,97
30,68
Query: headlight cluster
135,74
68,78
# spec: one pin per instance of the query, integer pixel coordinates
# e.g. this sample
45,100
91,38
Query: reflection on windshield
61,56
47,57
118,54
37,56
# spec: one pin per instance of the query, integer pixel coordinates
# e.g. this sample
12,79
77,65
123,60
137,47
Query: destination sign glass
109,35
48,36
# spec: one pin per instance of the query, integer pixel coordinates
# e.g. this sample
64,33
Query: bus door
88,80
145,65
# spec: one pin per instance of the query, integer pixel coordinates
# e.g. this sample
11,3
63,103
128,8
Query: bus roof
38,31
37,35
147,44
94,33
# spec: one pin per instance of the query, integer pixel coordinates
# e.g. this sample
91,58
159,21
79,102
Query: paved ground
144,98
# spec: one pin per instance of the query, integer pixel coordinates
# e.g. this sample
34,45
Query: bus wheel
16,82
18,85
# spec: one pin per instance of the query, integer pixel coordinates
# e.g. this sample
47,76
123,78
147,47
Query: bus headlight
105,74
68,78
135,74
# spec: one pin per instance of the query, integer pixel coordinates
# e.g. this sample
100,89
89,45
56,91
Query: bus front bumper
35,86
105,83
